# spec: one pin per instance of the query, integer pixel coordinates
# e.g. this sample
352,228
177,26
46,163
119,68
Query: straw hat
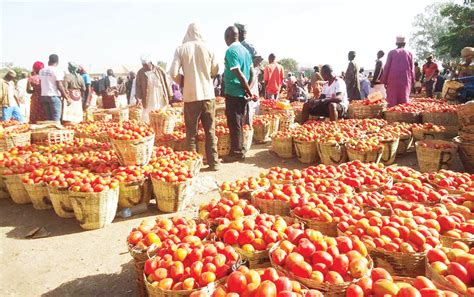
467,52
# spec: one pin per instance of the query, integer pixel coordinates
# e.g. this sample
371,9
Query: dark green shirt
236,56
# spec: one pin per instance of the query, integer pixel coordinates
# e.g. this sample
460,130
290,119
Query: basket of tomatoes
133,143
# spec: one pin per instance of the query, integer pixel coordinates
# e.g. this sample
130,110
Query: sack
75,94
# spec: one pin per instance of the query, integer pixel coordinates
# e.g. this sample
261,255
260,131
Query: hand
254,98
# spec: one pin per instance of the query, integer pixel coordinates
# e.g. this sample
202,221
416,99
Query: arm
61,89
253,78
29,88
378,68
386,70
243,81
174,70
214,66
265,75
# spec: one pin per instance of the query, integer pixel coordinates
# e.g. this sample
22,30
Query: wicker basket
332,153
306,151
16,188
61,201
131,194
261,133
466,114
223,145
447,241
162,124
285,121
39,196
18,139
365,188
422,134
273,207
381,210
326,228
171,197
248,137
390,148
135,113
441,118
366,157
139,258
220,110
439,279
119,114
398,263
3,188
466,153
404,144
95,210
102,117
274,125
157,292
255,259
431,159
51,136
359,111
407,117
134,152
283,147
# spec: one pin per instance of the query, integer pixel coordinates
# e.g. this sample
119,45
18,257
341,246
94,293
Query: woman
37,112
75,87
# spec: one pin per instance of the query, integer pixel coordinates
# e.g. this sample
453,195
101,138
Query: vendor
466,68
332,103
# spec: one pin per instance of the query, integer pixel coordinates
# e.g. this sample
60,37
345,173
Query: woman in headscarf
34,88
75,87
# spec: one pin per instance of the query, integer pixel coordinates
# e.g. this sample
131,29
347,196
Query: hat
430,56
145,58
467,52
11,73
241,27
400,39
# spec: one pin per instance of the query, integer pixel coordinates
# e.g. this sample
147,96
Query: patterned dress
36,108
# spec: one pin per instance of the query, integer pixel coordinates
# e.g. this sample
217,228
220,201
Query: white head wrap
145,58
193,33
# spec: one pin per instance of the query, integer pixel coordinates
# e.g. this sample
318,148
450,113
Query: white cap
145,58
400,39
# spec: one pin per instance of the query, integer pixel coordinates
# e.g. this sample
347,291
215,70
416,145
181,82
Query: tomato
135,237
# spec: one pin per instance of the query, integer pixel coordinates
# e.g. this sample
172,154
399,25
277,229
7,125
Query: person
9,99
439,82
110,90
237,75
290,80
352,78
199,65
130,86
273,76
86,98
75,88
254,106
377,85
466,68
37,112
177,96
23,95
121,99
364,84
428,70
302,81
370,76
52,89
398,75
417,86
243,39
315,82
153,89
297,93
217,81
333,101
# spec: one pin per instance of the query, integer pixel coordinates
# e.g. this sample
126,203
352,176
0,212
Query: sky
103,34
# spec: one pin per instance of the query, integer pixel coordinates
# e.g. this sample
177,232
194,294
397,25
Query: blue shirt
87,78
236,56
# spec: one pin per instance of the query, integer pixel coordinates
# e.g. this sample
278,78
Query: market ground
75,262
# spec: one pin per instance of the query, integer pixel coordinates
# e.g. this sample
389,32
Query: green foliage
162,64
289,64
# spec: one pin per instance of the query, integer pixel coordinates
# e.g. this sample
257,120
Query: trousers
235,111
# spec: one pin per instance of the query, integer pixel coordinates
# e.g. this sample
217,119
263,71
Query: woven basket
39,196
440,118
422,134
102,117
95,210
366,157
364,188
273,207
119,114
220,110
135,113
283,147
3,188
134,152
306,151
61,201
51,136
248,137
466,114
332,153
447,241
326,228
261,133
162,124
285,121
255,259
466,153
16,188
274,126
223,145
131,194
400,264
11,141
390,148
139,258
381,210
358,111
431,159
171,197
405,143
407,117
439,279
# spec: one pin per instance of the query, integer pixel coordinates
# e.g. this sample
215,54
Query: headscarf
145,58
193,33
73,68
37,66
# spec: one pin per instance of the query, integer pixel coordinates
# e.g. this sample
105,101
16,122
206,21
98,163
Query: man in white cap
467,68
398,74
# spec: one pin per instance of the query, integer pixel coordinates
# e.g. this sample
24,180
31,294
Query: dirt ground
75,262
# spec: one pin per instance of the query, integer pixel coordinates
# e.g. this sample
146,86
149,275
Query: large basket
139,258
283,147
367,157
254,259
95,210
119,114
223,145
162,123
332,153
51,136
285,121
407,117
398,263
39,196
61,201
390,148
274,125
466,153
306,151
16,188
131,194
466,114
447,241
431,159
439,279
261,133
135,113
14,140
248,137
171,197
405,143
326,228
102,117
157,292
440,118
421,134
134,152
3,188
273,207
359,111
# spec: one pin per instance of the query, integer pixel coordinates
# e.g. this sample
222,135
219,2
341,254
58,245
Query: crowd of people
195,78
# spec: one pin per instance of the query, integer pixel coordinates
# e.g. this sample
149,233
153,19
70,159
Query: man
52,89
199,66
398,75
377,85
315,82
429,70
23,96
255,87
153,90
237,75
130,85
364,84
466,75
332,103
9,100
352,78
243,39
417,86
273,75
86,98
110,93
439,82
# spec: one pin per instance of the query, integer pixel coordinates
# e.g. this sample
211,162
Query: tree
289,64
162,64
